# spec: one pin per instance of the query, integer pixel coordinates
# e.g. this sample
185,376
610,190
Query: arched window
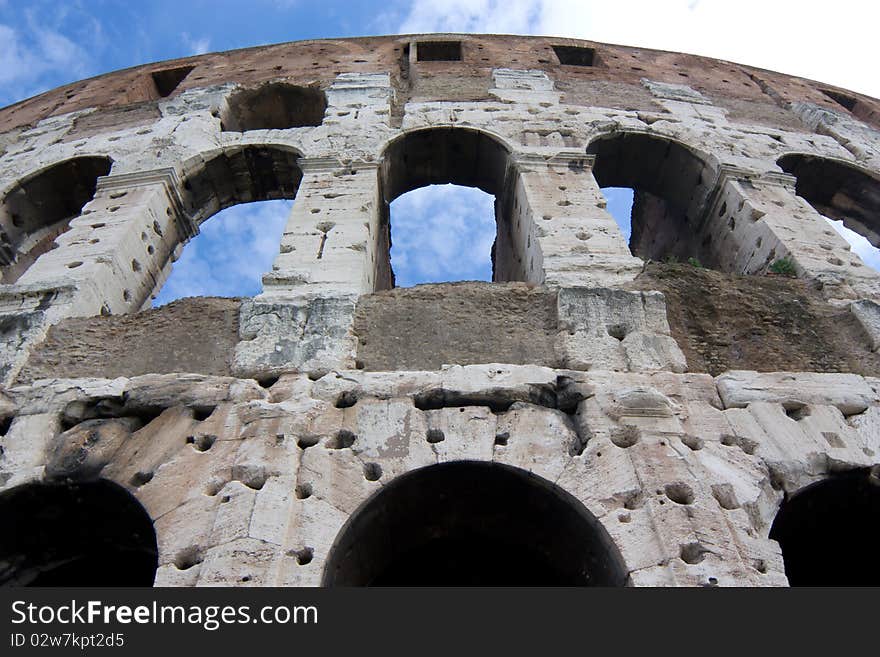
458,157
39,209
75,534
829,532
473,523
670,185
239,243
845,194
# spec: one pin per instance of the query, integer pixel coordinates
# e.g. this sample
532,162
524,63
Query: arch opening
829,532
471,523
76,534
842,193
40,208
466,158
671,186
238,244
275,106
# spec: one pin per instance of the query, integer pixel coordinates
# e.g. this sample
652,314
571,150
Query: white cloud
833,44
30,53
230,255
196,46
442,233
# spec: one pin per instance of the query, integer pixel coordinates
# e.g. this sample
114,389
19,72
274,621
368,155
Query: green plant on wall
783,267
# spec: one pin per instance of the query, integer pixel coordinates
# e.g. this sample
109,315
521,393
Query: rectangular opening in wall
575,55
841,99
166,81
438,51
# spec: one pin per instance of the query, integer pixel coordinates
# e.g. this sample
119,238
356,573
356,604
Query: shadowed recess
276,106
829,532
473,524
671,186
39,209
839,191
75,534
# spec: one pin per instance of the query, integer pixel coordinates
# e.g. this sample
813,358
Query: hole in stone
304,556
467,523
274,106
343,439
692,553
502,438
680,493
438,51
303,491
693,442
436,436
140,478
202,413
201,443
725,496
168,80
372,471
304,442
575,55
188,557
268,381
625,437
847,102
797,413
346,399
6,424
617,331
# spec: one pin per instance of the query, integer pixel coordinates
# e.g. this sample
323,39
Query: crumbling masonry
596,415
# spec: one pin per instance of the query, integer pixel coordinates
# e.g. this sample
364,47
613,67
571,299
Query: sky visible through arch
46,43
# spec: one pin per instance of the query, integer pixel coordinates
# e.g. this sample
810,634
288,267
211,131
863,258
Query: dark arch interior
242,175
473,524
838,191
75,534
274,106
830,532
458,156
39,209
671,186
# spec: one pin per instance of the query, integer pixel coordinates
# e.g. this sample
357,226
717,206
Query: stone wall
675,411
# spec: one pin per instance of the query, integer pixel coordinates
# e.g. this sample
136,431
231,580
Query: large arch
258,172
39,208
458,156
839,190
830,531
672,185
75,534
473,523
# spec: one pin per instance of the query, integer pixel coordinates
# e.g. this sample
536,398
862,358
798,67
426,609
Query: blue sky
46,43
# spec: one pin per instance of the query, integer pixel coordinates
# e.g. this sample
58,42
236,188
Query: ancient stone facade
587,418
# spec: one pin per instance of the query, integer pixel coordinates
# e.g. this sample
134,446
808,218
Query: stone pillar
302,320
755,220
579,242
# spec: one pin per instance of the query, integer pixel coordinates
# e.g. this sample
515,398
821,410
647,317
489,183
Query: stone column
755,220
579,243
303,318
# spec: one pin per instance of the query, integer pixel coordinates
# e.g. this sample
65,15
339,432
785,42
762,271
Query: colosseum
697,407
